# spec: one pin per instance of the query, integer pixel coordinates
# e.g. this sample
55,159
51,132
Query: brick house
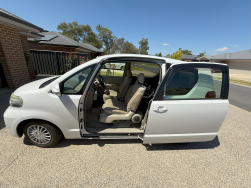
55,41
237,61
14,32
18,38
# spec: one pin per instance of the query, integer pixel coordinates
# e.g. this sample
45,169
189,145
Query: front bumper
12,117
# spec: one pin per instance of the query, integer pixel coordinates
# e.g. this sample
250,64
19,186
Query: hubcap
39,134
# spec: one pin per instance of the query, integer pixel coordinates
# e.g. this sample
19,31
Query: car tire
42,134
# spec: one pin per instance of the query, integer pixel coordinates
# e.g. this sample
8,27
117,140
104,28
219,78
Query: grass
104,73
241,82
137,68
151,65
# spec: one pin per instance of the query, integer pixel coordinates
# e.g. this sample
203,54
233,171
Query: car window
148,69
112,69
74,84
194,84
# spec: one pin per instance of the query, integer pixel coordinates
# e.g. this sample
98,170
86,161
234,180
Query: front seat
123,87
114,110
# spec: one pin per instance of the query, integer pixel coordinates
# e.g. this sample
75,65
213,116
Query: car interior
118,100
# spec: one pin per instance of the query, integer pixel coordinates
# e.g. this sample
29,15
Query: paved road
240,96
223,162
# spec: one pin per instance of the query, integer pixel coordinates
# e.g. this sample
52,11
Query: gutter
20,21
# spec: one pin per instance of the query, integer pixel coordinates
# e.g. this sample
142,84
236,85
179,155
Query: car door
190,104
71,90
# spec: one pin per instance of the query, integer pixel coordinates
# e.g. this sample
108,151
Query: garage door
240,65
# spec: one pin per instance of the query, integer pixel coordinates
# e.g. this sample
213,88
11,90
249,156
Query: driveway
223,162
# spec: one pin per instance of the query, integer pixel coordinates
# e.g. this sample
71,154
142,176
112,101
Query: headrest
141,78
128,73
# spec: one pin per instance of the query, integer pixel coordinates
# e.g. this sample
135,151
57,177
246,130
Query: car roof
166,60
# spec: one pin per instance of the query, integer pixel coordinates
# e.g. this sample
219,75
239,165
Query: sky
214,26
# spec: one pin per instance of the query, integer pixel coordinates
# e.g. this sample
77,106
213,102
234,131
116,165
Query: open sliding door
190,105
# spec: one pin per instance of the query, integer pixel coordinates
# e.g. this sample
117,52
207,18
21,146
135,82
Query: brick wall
12,57
26,48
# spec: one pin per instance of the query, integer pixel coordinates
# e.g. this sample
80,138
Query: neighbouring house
236,61
26,49
15,68
48,52
194,58
55,41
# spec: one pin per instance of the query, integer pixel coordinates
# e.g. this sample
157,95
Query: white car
114,66
165,101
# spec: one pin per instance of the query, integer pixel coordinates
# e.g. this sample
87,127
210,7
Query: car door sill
95,137
98,130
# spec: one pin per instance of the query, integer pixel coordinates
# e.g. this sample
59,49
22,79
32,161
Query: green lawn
242,82
137,68
151,65
231,80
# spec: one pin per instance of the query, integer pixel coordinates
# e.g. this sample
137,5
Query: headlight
16,101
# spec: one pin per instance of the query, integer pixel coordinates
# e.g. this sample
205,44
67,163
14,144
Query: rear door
190,104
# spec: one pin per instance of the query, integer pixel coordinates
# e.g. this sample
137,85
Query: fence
49,62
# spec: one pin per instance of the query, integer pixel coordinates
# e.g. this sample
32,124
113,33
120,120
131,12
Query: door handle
160,109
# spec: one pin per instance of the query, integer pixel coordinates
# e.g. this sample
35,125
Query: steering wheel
101,81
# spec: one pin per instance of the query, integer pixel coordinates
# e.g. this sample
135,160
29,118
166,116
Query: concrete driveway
223,162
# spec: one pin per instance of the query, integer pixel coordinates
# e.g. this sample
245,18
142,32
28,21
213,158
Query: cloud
222,49
235,46
165,44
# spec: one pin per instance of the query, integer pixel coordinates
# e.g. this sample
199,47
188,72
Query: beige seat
123,87
114,110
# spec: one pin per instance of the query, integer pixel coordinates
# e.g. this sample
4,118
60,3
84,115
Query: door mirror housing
56,90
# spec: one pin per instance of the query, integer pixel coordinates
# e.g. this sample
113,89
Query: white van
155,99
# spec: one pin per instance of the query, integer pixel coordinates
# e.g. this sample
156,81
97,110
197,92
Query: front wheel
42,134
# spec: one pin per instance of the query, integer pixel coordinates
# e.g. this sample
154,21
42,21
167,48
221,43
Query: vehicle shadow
184,146
154,147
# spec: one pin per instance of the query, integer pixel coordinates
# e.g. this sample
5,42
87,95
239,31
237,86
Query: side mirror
56,90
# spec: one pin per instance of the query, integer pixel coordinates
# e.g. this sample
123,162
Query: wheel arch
21,125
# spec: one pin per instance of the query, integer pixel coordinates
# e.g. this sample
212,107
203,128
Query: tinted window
74,84
194,83
148,69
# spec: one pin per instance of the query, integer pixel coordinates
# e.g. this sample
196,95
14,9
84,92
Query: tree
158,54
177,55
143,46
120,46
105,35
202,54
80,33
186,52
129,48
92,38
